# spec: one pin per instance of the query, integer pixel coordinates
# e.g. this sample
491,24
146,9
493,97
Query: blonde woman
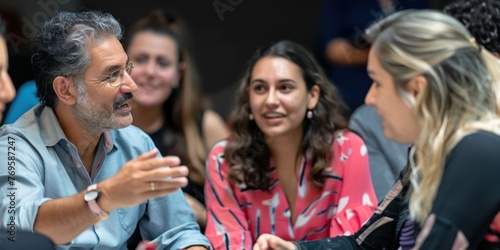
435,88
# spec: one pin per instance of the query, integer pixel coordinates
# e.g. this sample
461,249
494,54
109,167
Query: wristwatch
90,197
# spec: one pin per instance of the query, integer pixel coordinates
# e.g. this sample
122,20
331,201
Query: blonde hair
461,95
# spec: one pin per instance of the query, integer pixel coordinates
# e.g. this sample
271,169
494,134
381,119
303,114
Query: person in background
7,90
83,177
343,48
481,18
387,157
346,53
435,87
24,101
168,104
290,168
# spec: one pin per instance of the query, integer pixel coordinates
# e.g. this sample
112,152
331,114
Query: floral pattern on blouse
237,214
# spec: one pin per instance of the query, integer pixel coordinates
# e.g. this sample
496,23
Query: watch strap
94,207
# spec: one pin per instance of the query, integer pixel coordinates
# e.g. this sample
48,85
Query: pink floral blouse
237,215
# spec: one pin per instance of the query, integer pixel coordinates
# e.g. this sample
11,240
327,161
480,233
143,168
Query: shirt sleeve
227,227
357,196
21,181
466,202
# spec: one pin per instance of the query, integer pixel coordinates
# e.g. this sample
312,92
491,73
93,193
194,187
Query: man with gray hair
75,170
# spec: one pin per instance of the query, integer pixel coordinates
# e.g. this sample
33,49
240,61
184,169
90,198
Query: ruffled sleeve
357,196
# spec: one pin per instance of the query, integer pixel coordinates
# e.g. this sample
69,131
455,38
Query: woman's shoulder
214,128
219,147
347,138
478,143
215,160
211,119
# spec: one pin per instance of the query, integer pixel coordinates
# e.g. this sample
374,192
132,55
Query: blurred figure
25,100
435,87
168,104
347,54
387,157
481,18
7,90
343,45
290,167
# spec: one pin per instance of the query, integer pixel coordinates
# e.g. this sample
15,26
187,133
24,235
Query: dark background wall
223,37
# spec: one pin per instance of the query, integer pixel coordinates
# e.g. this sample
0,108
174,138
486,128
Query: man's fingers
165,173
174,183
149,164
148,155
160,188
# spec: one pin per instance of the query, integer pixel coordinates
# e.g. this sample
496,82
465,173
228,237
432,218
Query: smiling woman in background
168,103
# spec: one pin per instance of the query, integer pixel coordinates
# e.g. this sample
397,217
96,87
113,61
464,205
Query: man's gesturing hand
142,178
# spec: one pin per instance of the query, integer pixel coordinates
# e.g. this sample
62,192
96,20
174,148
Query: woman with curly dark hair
290,167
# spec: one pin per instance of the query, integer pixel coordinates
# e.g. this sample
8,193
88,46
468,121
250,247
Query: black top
158,137
466,204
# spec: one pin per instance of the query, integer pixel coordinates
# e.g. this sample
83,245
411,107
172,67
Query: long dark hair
185,105
247,152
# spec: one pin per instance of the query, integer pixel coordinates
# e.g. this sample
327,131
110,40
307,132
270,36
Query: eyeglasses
115,79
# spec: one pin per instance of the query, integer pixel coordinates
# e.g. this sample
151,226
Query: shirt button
78,165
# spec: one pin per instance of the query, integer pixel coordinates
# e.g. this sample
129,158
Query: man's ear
416,85
65,90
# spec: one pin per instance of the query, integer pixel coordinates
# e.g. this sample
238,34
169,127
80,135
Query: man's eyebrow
112,68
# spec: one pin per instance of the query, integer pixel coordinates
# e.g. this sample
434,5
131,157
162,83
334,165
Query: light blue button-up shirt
38,163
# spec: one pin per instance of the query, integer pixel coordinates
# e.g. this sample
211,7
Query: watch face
91,195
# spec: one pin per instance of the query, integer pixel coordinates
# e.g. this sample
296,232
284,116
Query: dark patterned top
465,213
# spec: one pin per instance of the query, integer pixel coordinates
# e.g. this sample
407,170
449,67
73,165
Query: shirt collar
52,132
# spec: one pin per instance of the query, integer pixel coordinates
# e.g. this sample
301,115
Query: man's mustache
122,99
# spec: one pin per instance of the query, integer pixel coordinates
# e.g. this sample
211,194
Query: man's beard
96,119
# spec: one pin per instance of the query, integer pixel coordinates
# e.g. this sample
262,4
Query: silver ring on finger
152,186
